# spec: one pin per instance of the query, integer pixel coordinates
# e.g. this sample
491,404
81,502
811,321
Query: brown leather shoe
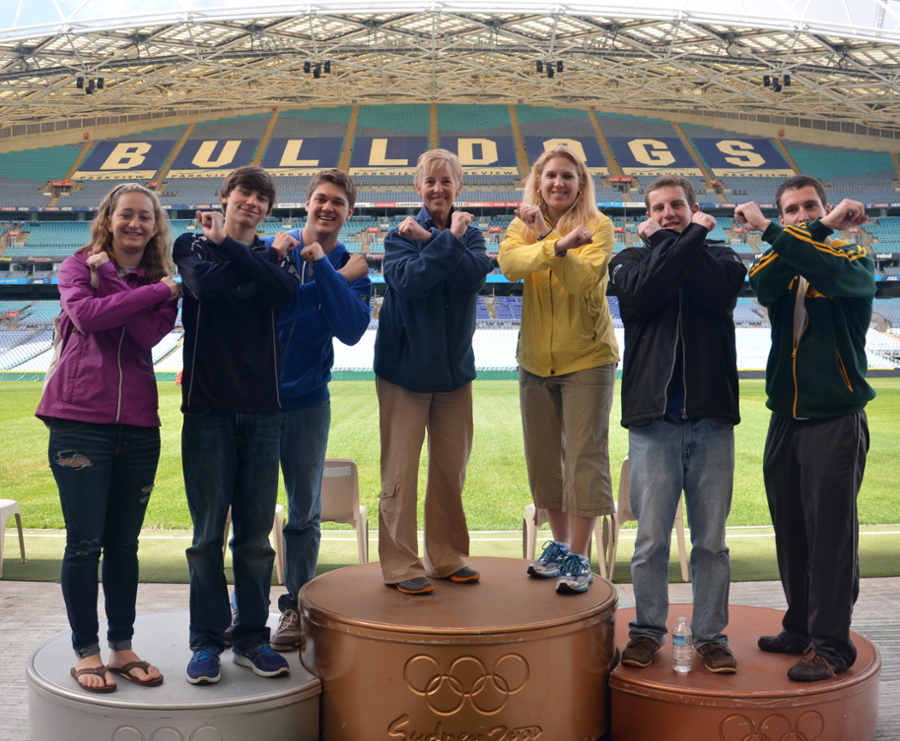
811,668
640,652
717,658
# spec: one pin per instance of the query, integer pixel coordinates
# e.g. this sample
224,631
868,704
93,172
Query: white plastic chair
277,539
535,517
624,514
10,507
340,500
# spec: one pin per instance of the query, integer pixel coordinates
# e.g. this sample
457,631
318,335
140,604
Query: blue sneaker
576,575
551,561
203,668
264,661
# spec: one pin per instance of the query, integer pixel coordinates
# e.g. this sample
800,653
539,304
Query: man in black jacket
680,405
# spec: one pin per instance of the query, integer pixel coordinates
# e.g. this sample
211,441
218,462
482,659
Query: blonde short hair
436,158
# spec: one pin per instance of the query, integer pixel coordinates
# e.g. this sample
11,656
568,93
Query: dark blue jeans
304,439
105,474
230,459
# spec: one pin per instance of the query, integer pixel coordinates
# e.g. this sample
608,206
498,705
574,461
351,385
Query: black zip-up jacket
231,299
686,287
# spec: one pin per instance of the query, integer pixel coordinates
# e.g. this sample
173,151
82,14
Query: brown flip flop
100,671
125,673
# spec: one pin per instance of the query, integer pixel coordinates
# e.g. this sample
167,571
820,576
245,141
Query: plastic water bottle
682,639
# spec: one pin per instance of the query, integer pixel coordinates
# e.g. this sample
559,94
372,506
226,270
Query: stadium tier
380,145
383,145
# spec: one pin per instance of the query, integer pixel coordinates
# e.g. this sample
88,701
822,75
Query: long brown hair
583,212
157,258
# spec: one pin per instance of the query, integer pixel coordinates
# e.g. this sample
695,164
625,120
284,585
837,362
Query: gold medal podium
504,659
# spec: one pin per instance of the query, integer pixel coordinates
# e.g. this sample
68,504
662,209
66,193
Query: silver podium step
241,707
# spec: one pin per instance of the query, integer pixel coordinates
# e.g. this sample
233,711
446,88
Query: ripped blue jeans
105,474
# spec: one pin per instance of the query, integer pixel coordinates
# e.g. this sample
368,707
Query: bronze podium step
758,703
504,659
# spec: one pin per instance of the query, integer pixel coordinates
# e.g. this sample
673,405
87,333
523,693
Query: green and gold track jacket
819,297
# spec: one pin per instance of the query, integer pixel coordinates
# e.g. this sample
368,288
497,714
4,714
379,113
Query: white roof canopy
843,59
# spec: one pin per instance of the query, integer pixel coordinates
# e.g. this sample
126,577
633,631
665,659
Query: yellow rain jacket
566,324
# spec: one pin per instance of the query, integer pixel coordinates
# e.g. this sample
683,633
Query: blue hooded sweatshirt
323,307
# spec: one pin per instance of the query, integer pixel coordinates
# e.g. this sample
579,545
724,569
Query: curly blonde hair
583,212
157,259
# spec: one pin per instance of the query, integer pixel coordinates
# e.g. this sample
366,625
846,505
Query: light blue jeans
669,455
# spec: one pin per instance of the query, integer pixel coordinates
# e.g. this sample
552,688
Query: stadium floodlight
559,66
787,80
99,83
79,82
766,81
317,71
328,67
306,67
550,71
539,66
776,85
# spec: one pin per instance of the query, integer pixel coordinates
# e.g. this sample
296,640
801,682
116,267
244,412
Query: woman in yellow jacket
560,244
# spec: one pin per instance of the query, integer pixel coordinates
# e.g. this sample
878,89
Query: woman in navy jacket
434,266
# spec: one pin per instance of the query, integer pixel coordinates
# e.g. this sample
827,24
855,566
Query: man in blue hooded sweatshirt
331,301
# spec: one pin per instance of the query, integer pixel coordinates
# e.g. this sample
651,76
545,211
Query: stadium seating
42,165
462,119
317,122
618,124
848,173
239,127
396,120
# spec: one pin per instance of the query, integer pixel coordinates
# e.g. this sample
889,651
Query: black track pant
813,470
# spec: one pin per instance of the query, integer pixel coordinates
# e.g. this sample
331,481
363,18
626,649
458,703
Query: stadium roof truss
843,65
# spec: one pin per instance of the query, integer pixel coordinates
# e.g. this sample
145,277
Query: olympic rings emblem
468,680
774,727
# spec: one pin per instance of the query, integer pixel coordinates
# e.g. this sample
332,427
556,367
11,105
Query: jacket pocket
589,309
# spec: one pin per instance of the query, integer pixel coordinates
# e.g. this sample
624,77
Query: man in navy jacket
231,400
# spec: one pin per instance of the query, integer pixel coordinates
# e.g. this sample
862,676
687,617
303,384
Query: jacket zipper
684,414
190,391
276,349
672,367
844,370
552,322
799,298
119,364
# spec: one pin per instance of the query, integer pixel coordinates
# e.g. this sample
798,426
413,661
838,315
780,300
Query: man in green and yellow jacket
818,291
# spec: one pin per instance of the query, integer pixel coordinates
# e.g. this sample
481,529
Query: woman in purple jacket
100,403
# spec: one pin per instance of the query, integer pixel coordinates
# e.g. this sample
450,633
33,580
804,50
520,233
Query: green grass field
496,484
